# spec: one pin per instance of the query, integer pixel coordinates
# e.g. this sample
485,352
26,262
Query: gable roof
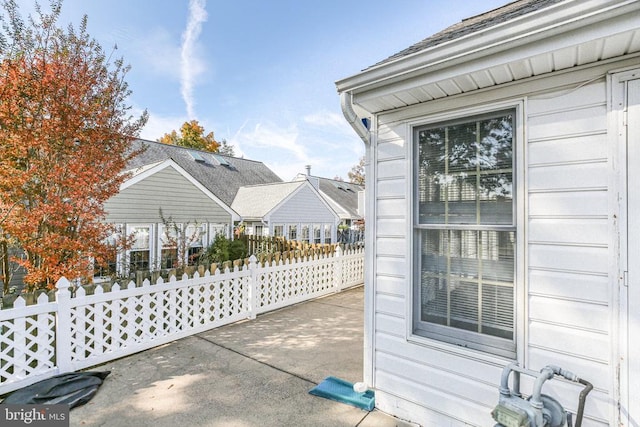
256,201
341,195
521,40
146,171
221,175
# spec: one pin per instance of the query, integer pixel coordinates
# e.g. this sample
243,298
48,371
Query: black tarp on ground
73,389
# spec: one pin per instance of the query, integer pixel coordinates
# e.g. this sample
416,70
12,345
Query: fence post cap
62,283
253,259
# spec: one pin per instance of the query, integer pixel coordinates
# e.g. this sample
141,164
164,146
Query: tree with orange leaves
65,134
191,136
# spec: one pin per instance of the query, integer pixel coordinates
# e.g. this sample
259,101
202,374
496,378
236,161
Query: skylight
221,160
197,157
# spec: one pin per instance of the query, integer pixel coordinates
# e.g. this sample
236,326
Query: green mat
342,391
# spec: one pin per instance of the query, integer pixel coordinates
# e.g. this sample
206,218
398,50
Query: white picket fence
80,331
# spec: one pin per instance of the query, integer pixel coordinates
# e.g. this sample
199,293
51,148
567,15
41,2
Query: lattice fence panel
352,268
27,345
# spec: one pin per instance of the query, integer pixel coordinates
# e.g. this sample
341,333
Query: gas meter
537,410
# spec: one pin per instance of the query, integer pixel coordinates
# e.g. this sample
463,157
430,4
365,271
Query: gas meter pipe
582,399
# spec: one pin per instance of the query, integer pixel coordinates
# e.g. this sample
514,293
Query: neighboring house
294,210
193,188
342,196
503,223
185,204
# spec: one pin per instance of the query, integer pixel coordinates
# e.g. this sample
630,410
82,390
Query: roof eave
502,38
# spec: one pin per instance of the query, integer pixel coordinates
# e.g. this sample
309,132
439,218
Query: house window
196,236
168,246
305,233
293,232
109,268
465,231
218,229
327,233
317,237
139,255
278,230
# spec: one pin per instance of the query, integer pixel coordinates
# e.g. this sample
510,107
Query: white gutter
346,103
558,19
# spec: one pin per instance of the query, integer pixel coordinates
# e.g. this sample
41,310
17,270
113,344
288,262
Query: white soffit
394,85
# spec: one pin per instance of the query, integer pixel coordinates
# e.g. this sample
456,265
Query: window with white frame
109,267
139,254
293,232
305,233
218,229
278,230
196,236
317,236
465,232
168,246
327,233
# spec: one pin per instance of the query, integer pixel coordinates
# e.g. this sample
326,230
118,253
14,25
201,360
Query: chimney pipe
308,168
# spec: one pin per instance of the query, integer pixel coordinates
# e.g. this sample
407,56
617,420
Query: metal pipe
546,373
581,400
504,379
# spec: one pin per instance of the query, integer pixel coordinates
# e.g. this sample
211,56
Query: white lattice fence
27,341
283,284
352,267
80,331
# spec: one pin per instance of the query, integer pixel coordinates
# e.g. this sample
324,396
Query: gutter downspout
346,104
368,371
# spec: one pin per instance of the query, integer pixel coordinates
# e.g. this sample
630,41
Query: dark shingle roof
210,169
474,24
345,194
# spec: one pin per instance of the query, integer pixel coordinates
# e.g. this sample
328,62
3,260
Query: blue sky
260,73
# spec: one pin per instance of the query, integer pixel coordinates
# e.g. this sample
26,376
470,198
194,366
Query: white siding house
503,212
294,210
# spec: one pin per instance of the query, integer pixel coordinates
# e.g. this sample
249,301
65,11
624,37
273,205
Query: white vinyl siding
303,206
566,275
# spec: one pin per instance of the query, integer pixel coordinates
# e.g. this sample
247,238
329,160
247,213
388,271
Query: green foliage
223,249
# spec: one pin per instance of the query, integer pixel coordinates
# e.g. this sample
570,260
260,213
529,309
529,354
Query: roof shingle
210,169
473,24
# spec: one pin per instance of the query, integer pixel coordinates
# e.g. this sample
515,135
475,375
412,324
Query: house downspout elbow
352,117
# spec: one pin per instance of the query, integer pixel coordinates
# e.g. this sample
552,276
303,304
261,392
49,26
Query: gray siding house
194,189
503,212
294,210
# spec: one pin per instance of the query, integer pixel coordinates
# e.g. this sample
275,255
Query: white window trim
521,330
152,245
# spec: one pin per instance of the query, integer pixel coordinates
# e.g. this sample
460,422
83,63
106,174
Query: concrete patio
252,373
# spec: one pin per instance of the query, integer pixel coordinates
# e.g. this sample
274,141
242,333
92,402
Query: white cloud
191,66
159,125
287,150
271,137
329,120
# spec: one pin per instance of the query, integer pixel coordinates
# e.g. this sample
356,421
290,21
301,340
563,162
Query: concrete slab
313,340
254,373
